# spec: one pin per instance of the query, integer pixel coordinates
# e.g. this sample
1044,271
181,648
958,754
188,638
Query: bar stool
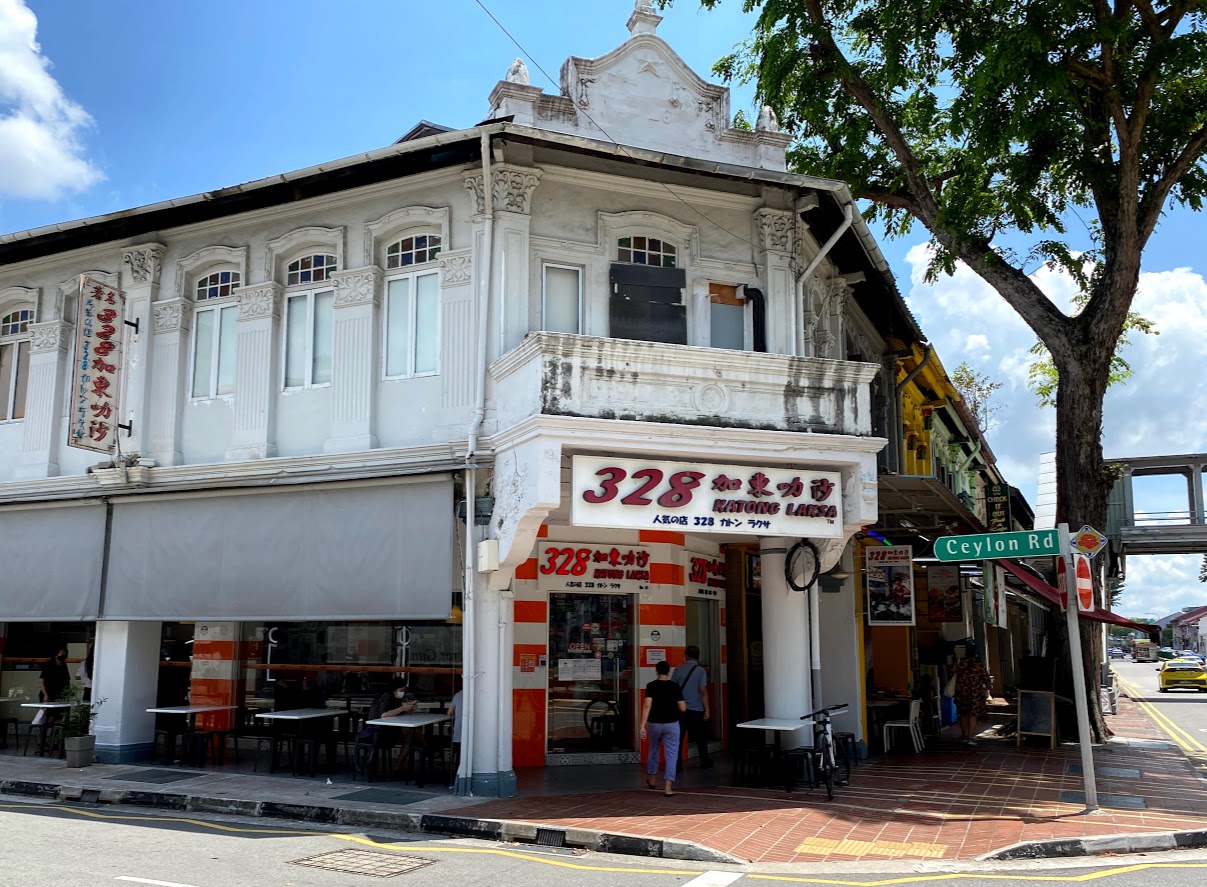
5,724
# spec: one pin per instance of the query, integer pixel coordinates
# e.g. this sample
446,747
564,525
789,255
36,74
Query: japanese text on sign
571,567
705,498
96,376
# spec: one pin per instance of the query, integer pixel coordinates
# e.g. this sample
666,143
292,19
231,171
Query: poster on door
890,581
574,566
943,598
705,576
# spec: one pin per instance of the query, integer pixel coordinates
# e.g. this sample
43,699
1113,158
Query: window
646,251
412,325
727,317
218,285
214,343
308,338
310,269
562,287
14,362
413,251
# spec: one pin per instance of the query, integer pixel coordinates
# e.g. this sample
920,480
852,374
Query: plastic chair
912,725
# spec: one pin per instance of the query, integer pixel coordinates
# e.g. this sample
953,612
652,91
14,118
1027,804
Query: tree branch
1154,198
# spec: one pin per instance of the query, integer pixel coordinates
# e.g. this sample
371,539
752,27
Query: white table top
415,719
46,705
302,714
787,724
189,709
11,698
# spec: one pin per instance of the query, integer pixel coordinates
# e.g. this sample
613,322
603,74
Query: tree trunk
1083,488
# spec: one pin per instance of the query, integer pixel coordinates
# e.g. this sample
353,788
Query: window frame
310,293
22,338
216,307
663,243
330,266
581,270
201,281
430,250
413,273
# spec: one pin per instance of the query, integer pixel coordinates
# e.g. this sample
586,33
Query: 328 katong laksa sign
704,498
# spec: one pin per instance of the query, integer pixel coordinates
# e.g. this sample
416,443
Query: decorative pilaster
777,230
253,431
173,319
355,356
141,266
43,426
457,316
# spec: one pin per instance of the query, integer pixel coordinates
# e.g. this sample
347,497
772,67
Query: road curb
1063,848
509,831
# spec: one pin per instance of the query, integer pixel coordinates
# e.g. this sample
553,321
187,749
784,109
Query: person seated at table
396,701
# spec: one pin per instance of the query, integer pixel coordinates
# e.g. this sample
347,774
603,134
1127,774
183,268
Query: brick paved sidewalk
949,804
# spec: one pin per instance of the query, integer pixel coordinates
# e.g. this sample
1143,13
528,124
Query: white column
257,374
786,689
778,231
140,281
506,680
125,679
355,360
486,681
173,320
43,425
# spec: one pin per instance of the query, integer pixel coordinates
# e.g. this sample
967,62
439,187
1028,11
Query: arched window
14,362
217,285
414,250
310,269
214,334
646,251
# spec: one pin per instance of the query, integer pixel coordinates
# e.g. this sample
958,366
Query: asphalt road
71,846
1180,714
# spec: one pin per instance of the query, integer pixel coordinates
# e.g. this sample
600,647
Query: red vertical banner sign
96,378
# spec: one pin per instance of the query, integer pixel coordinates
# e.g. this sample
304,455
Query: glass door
704,631
591,672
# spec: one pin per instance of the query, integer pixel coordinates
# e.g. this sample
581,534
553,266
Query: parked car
1115,653
1167,653
1182,674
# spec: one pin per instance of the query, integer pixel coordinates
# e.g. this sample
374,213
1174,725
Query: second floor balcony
559,374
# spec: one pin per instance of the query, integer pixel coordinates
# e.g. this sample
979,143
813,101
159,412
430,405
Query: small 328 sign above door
693,497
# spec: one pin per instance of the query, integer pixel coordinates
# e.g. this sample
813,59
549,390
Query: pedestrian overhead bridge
1180,531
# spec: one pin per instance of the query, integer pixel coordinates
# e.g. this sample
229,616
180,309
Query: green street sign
987,546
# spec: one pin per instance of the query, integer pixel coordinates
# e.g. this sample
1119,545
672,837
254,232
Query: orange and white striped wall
215,676
661,628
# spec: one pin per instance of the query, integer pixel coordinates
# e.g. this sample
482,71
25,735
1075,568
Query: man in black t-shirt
54,677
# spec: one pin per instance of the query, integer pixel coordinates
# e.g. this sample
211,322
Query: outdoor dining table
777,727
190,712
303,717
417,720
47,707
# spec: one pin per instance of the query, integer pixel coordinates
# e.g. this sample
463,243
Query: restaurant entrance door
591,653
704,631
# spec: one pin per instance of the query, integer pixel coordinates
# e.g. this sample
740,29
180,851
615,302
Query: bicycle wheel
802,561
595,716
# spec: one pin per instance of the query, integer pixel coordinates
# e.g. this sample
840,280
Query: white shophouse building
594,338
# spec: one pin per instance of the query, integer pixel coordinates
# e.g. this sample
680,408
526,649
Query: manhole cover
365,862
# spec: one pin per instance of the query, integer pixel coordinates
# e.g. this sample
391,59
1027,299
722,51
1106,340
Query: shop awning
1053,595
50,562
368,550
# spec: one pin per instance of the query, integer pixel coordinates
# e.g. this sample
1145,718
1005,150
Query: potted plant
78,741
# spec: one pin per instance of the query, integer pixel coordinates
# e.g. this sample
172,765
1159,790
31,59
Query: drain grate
550,837
89,797
365,862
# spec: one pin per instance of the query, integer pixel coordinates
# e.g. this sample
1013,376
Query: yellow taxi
1182,674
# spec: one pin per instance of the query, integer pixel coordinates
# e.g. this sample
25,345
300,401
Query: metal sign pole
1079,687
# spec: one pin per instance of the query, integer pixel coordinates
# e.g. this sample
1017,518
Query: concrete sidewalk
950,803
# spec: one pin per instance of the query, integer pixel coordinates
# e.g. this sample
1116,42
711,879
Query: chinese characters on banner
890,579
705,498
570,566
943,598
705,576
97,371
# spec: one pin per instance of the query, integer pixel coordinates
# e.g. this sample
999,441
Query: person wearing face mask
390,704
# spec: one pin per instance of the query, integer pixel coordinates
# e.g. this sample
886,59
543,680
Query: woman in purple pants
660,715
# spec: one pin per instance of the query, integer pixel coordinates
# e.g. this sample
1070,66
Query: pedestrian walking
660,715
693,726
972,688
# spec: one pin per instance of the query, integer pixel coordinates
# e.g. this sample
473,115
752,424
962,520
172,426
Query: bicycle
825,760
602,718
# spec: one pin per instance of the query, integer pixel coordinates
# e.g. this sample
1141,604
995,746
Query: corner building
527,406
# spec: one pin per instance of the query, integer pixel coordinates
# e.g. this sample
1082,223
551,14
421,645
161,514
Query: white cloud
976,342
41,155
1159,585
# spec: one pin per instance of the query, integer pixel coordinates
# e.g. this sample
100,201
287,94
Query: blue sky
128,102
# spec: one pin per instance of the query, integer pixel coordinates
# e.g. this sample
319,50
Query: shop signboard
890,581
695,497
997,504
96,377
945,602
705,576
569,566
